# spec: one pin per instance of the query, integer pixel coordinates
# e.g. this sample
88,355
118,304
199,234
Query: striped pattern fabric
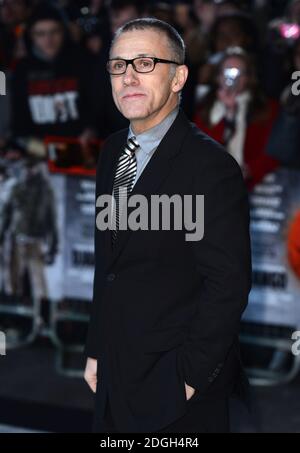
124,180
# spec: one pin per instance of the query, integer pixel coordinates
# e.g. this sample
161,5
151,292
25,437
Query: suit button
111,277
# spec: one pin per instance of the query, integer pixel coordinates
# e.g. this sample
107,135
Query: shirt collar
218,110
151,138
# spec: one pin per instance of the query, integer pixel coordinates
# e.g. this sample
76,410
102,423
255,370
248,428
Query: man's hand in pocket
90,374
189,391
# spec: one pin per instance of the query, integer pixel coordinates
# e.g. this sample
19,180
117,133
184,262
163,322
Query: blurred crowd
243,58
243,90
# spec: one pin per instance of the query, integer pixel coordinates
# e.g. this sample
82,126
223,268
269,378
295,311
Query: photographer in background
236,113
229,30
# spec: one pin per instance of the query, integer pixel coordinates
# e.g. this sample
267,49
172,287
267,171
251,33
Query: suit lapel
155,172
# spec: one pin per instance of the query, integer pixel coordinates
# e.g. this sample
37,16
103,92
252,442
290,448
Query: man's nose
130,74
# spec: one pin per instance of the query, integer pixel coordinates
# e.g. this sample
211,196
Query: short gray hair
176,43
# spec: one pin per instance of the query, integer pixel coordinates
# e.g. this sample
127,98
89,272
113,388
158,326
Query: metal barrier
39,328
29,312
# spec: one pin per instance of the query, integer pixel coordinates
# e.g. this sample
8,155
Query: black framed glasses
117,66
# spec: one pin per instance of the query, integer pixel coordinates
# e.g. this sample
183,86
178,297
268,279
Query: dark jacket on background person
284,143
52,97
166,310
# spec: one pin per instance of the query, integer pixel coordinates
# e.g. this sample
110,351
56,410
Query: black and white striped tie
124,179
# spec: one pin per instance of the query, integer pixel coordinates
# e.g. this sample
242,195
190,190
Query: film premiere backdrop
66,280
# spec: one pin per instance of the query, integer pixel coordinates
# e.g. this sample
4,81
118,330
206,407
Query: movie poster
275,236
79,237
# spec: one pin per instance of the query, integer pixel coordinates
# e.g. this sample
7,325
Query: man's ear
180,78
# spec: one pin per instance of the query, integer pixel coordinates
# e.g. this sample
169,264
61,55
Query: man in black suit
162,347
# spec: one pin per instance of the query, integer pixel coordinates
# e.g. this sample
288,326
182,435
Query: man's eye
145,63
118,65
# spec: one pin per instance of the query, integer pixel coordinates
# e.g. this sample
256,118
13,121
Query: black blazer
165,310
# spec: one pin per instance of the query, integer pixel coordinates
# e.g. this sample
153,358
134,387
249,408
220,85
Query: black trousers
203,415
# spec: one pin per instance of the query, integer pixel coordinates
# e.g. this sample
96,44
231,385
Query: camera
231,77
